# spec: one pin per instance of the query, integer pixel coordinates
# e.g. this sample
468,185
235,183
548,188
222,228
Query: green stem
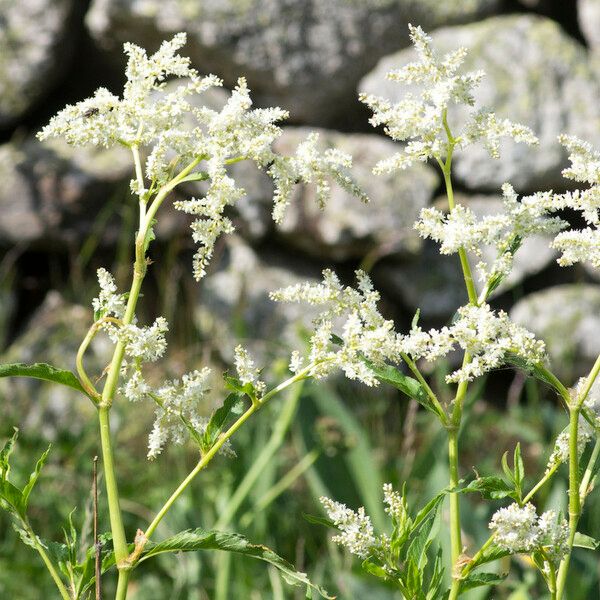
112,379
447,172
122,584
51,568
574,500
455,533
538,486
112,492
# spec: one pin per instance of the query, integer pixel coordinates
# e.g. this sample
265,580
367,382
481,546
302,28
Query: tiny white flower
246,371
356,529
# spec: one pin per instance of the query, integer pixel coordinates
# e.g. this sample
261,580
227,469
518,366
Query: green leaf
432,505
415,319
12,499
34,477
491,488
235,385
5,455
201,539
519,470
42,371
233,404
490,554
585,541
315,520
199,176
374,569
474,580
407,385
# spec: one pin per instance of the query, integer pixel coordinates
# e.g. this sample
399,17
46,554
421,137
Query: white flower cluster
519,530
419,117
179,404
356,528
488,337
108,303
145,344
246,371
310,166
580,245
461,228
156,119
365,333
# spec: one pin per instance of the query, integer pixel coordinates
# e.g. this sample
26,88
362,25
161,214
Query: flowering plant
350,334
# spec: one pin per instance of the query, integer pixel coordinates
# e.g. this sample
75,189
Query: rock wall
311,57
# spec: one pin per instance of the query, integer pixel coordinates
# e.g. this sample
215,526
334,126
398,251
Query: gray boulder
536,75
36,36
588,14
51,193
566,318
305,55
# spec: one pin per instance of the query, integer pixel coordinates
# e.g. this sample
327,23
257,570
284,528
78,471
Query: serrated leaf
475,580
585,541
201,539
42,371
491,488
34,477
233,404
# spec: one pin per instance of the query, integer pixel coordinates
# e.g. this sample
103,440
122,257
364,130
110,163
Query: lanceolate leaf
201,539
42,371
492,488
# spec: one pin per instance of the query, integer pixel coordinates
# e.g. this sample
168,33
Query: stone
536,75
588,16
430,282
567,318
305,55
346,228
36,37
52,192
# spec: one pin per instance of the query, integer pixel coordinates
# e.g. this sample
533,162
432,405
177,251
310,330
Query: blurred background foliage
67,213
